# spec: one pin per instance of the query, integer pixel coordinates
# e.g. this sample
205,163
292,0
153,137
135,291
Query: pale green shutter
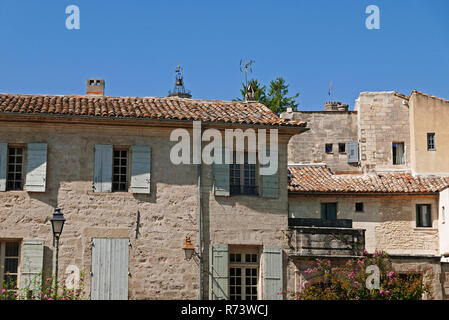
221,176
141,168
270,184
219,272
103,168
36,167
273,273
3,160
32,263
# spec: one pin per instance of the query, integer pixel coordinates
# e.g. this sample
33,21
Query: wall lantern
57,223
189,249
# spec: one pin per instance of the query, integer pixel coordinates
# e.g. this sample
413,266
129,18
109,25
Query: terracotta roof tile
319,179
170,108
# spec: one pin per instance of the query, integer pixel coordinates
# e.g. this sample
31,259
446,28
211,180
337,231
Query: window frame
244,265
3,257
340,144
432,140
331,148
419,215
325,204
128,167
363,207
394,156
23,173
242,186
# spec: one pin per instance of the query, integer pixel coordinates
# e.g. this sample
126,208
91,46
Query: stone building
106,162
392,196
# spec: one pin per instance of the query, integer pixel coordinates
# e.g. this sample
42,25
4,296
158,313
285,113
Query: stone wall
167,215
331,127
382,120
389,221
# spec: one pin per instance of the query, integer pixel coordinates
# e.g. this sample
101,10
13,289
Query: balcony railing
326,238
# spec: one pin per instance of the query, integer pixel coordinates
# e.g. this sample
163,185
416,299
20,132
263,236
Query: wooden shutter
353,152
219,272
221,176
103,168
270,184
36,167
273,273
32,263
3,161
110,260
141,168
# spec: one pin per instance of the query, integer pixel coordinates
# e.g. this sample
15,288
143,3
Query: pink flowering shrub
45,290
348,282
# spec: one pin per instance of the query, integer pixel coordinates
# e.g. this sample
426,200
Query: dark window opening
120,171
359,207
329,211
328,147
9,258
243,177
423,216
14,179
398,153
342,147
431,141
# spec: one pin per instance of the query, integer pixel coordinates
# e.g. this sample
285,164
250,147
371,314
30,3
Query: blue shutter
36,167
219,272
221,176
3,161
141,168
353,152
32,263
103,168
273,273
270,184
110,261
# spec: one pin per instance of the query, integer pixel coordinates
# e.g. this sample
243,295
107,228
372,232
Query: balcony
325,238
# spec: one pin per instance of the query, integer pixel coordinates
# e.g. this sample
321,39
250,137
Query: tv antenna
244,66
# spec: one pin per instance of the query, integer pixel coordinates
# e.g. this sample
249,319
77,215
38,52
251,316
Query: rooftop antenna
179,89
244,66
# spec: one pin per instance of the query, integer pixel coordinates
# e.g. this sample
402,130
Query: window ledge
425,229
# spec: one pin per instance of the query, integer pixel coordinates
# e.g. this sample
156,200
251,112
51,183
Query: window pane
12,249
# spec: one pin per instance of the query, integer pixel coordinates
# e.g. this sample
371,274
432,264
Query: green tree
277,98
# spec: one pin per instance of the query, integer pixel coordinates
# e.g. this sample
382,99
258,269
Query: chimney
95,87
335,106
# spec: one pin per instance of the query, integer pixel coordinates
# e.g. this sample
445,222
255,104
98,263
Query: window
342,147
431,141
329,211
120,171
243,276
359,207
9,263
243,177
328,148
423,216
398,153
14,179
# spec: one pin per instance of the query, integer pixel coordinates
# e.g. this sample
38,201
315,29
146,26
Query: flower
50,299
356,282
351,275
387,292
49,279
3,290
390,274
381,291
365,251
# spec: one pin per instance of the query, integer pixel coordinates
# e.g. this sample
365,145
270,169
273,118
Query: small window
243,177
423,216
328,147
9,263
342,147
431,141
243,276
14,179
359,207
398,153
120,171
329,211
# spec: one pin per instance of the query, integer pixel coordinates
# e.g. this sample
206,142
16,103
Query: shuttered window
36,167
273,282
32,263
141,169
9,263
243,275
14,175
120,170
219,272
243,177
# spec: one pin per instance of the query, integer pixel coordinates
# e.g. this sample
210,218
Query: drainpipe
200,215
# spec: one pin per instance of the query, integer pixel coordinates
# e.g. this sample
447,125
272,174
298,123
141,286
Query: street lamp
189,249
57,223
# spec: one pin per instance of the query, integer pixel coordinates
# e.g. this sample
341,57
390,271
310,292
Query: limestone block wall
389,221
382,120
325,127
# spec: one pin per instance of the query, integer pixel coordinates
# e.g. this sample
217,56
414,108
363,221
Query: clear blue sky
135,46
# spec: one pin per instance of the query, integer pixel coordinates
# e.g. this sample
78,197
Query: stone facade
168,214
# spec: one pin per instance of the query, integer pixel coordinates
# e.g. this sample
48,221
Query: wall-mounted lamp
189,249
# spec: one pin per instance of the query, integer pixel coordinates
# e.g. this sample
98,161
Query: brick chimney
95,87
